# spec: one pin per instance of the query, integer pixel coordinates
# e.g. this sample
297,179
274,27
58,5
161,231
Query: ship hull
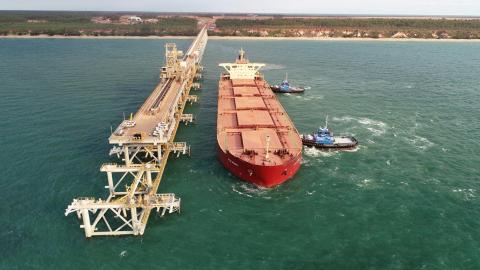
260,175
277,89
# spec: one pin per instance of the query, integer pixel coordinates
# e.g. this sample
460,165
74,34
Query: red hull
256,140
265,176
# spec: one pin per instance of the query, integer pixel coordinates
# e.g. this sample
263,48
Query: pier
143,143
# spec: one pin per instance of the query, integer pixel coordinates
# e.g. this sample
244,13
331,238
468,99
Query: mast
267,147
241,55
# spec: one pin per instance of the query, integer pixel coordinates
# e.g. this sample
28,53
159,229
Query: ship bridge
143,143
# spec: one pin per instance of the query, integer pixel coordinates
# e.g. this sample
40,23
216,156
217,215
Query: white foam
420,142
376,132
343,119
367,121
241,193
251,190
364,183
305,162
377,128
467,193
353,150
314,152
306,98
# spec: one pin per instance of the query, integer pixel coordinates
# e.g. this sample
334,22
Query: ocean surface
408,198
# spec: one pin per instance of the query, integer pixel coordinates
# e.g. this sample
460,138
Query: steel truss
132,186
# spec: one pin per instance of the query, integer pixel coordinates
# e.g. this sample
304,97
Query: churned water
408,198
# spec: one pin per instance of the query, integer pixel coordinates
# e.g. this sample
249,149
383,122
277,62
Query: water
407,199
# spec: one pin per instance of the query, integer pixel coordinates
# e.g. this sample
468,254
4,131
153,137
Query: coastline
93,37
339,39
240,38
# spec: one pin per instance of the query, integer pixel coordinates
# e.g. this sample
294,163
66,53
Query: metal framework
132,186
172,62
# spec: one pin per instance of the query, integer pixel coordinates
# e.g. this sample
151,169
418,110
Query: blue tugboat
323,139
285,87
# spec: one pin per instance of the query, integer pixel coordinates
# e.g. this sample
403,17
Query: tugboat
323,139
285,87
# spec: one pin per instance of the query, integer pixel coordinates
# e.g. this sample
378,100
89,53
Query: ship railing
277,151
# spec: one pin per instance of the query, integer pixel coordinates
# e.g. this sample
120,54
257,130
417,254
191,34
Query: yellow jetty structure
143,143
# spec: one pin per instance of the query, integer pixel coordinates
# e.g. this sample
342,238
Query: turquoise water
407,199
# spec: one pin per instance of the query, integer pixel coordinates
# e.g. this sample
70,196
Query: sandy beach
243,38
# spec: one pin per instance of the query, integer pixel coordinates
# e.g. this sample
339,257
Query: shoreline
239,38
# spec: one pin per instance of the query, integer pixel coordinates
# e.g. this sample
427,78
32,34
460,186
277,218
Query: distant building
136,19
151,21
128,19
36,21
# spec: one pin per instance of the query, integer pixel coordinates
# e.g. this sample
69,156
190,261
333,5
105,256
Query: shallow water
408,198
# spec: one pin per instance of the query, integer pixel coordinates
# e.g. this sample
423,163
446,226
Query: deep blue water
407,199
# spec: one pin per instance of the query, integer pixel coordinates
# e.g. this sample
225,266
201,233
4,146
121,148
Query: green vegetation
79,23
353,27
353,23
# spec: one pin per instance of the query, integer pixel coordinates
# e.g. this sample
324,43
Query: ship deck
248,114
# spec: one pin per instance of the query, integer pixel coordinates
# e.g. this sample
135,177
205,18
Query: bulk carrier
256,139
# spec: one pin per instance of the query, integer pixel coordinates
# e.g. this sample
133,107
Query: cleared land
36,23
116,24
426,28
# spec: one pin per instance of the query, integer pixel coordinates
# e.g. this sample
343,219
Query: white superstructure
242,68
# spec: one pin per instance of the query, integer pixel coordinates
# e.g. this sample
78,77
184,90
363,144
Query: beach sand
241,38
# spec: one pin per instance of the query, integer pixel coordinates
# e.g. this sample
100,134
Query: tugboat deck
342,140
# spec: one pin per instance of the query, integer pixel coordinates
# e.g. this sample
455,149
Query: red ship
256,139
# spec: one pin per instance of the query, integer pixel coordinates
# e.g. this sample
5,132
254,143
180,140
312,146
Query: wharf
143,143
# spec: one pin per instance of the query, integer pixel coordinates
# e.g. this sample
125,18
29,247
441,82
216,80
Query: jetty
143,143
